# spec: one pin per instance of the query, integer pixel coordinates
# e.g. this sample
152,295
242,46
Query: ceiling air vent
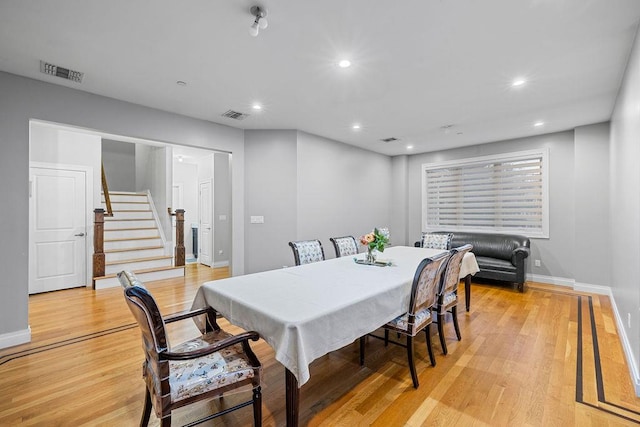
235,115
65,73
390,139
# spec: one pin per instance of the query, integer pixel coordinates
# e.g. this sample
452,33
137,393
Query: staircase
132,241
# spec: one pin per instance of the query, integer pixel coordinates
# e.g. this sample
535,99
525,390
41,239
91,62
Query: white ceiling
418,65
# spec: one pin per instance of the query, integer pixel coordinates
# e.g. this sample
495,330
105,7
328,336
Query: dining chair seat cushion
196,376
448,301
402,322
436,241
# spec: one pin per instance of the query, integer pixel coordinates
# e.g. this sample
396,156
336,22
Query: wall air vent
390,139
235,115
65,73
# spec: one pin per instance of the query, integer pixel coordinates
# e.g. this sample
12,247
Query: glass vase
371,256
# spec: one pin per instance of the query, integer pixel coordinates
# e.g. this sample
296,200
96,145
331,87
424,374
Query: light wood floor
519,364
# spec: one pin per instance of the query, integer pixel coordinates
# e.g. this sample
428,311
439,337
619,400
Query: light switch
258,219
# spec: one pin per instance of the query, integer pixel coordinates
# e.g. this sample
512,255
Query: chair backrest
451,277
344,246
307,251
436,240
425,283
146,312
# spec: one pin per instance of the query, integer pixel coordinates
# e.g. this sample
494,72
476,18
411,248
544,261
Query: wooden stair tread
132,228
129,261
142,271
126,239
139,248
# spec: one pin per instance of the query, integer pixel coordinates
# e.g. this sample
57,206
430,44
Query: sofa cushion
436,241
486,263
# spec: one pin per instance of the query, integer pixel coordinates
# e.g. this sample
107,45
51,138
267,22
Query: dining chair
436,240
201,368
307,251
447,295
344,246
418,318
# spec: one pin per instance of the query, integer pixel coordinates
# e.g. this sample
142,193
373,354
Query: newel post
98,243
179,251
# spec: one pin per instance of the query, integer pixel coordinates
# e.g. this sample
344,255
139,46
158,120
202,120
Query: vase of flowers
375,242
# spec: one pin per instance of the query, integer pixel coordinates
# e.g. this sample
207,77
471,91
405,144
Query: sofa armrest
519,255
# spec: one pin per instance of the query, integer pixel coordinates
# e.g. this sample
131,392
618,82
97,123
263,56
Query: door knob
79,234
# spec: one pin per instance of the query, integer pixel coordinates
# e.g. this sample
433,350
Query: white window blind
506,193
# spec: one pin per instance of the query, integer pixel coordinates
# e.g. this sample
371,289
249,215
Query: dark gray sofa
499,256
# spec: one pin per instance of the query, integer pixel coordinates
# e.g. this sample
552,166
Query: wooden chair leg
427,332
362,351
257,407
166,421
441,332
146,411
412,366
454,314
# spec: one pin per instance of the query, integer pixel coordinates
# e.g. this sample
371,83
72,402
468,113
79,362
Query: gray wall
221,207
625,202
342,190
399,201
270,167
154,169
308,187
24,99
118,159
592,243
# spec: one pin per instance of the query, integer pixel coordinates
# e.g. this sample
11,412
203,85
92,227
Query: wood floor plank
515,365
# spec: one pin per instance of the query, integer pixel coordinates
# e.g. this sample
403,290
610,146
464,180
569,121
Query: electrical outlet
536,263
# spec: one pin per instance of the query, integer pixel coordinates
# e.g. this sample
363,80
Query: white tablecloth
307,311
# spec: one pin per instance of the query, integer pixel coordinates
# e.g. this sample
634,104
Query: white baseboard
551,280
220,264
626,345
15,338
634,370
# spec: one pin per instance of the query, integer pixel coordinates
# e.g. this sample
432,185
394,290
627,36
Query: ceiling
435,74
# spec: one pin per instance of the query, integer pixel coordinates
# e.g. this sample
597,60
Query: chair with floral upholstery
344,246
307,251
436,241
418,318
447,299
202,368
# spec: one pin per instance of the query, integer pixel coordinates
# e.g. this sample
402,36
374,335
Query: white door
205,243
57,229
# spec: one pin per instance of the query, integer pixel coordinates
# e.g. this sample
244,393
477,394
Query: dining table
307,311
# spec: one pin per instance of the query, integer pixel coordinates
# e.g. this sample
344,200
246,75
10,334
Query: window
503,193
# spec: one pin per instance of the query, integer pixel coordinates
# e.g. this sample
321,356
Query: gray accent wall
24,99
309,187
270,168
624,158
222,208
118,159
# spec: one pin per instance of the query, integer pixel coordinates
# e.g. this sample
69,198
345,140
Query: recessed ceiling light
518,82
344,63
409,147
356,126
180,158
256,107
181,83
538,124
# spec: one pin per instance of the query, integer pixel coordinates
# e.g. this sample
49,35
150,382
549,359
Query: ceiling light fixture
344,63
256,106
260,23
518,82
180,159
538,124
355,127
409,147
